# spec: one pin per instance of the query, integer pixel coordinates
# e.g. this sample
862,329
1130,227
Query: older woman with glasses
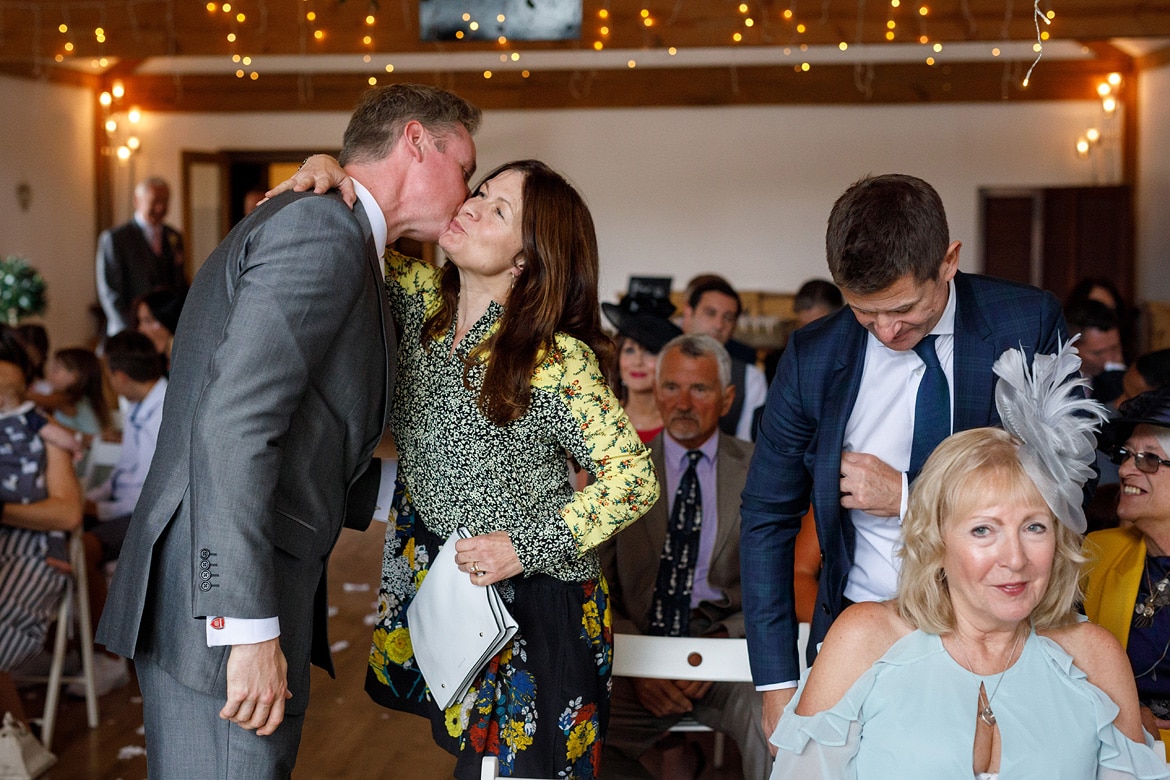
1128,586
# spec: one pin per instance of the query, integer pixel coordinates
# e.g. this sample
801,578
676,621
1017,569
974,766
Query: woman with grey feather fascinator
981,667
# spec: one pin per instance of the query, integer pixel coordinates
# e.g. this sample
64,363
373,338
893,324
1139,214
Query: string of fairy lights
905,21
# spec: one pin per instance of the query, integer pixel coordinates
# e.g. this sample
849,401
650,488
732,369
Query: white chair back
681,658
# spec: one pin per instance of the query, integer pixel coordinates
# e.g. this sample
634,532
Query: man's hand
694,689
774,704
1152,723
662,697
257,686
870,484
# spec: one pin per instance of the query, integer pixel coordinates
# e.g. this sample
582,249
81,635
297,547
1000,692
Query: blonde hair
966,470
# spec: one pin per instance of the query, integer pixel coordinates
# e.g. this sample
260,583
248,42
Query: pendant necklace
1157,596
985,712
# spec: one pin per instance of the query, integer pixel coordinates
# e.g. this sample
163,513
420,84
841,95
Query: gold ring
475,567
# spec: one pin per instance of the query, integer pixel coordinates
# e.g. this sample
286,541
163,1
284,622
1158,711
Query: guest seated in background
1150,371
1099,288
1100,347
78,399
713,309
1128,584
136,374
980,666
816,298
643,325
676,573
36,343
40,496
156,315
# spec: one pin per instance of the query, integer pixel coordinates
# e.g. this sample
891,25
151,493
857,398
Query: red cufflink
217,623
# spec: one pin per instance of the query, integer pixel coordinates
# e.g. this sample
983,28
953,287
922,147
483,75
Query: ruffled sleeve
1118,756
822,745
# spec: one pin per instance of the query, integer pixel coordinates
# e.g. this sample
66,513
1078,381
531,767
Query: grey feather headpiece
1046,408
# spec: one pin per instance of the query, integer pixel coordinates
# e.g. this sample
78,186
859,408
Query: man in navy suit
838,427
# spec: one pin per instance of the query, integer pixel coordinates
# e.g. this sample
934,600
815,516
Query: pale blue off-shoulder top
911,716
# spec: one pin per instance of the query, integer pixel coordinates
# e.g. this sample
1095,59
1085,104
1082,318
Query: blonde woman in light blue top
980,668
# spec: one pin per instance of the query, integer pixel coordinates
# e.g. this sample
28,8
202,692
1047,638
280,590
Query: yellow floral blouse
462,469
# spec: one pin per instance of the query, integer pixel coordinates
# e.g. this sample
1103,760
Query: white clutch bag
455,626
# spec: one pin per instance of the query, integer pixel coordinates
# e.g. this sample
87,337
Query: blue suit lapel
974,353
842,383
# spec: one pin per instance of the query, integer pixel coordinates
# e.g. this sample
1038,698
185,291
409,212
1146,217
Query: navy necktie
932,409
671,613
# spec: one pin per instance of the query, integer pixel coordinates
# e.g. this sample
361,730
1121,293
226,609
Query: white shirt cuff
241,631
778,686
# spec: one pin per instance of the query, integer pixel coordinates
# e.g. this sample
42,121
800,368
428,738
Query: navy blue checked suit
798,452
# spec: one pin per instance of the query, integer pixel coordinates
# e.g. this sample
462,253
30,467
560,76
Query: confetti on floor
339,645
130,751
355,587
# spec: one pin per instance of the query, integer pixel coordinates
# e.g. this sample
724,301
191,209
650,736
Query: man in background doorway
138,256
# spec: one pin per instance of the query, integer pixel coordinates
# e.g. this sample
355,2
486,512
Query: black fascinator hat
1149,408
643,318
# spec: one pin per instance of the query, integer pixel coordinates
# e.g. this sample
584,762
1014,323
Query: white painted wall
742,191
745,191
46,142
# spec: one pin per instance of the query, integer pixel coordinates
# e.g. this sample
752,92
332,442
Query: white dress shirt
882,424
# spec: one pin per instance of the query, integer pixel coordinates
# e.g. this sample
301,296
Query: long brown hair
90,383
556,292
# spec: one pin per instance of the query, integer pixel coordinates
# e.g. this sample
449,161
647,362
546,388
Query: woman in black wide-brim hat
643,327
1128,585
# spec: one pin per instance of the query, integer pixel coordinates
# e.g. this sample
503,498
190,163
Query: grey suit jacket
630,559
280,383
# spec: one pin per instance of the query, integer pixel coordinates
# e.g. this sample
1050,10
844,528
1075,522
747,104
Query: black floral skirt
541,705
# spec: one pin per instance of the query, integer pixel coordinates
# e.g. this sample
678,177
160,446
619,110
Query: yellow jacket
1117,558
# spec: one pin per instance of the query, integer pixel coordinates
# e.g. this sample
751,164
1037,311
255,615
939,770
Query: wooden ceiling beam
642,87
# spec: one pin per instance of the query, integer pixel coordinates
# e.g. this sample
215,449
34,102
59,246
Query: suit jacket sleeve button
205,553
205,586
206,575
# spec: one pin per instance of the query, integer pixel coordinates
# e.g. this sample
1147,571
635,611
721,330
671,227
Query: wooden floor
346,735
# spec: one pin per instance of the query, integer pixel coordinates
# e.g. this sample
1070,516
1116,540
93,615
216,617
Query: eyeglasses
1146,462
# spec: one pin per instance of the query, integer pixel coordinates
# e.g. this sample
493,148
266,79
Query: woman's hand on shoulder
1101,657
319,173
857,639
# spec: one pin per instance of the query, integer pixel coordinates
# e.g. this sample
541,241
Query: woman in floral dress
499,382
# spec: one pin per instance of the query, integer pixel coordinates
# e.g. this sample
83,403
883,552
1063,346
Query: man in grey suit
693,390
139,255
282,373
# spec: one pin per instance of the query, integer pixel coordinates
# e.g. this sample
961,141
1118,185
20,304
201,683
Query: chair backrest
103,457
681,658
